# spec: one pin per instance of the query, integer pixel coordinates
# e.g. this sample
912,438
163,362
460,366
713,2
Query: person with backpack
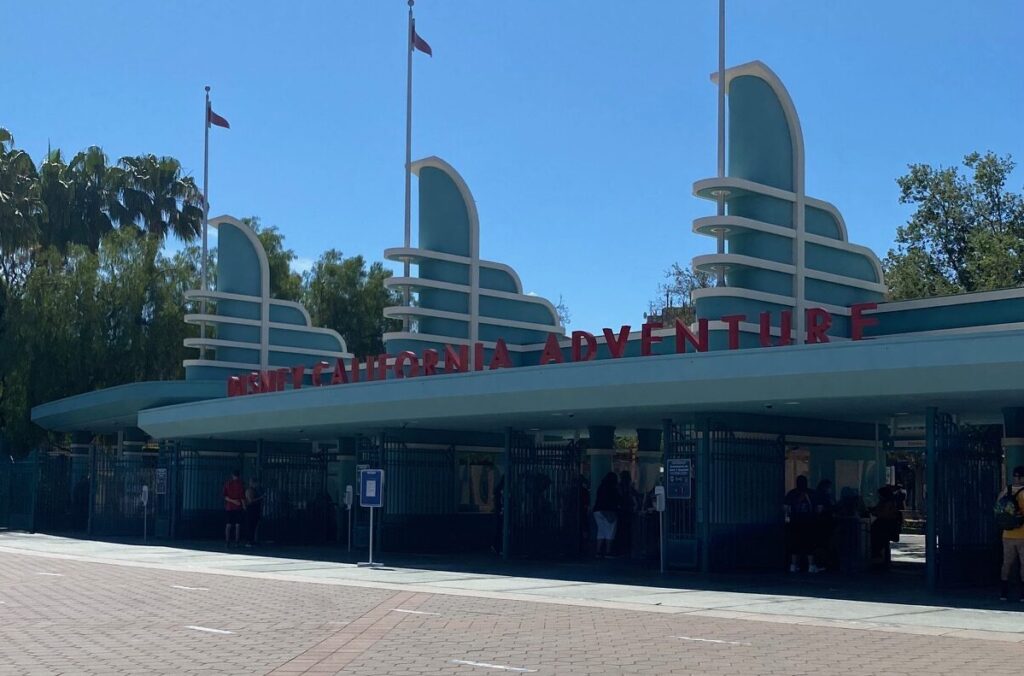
1010,518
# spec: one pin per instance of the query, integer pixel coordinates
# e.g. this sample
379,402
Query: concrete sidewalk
796,600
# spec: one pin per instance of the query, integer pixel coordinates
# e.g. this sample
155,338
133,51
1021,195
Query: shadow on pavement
904,583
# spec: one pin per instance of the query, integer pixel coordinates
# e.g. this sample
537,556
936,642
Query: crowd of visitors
813,518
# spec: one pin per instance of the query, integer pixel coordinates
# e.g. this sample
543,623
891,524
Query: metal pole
350,528
931,461
721,129
408,157
506,533
704,482
661,536
206,217
667,428
371,536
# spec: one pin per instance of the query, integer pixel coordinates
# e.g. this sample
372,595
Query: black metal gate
296,506
544,490
747,483
729,516
965,467
681,537
118,507
196,483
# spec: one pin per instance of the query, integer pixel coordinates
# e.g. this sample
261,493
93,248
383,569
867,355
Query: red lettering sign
578,338
617,345
552,351
733,322
404,358
684,336
500,358
582,347
858,322
818,322
647,338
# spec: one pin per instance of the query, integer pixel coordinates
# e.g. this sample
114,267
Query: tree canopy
966,232
91,298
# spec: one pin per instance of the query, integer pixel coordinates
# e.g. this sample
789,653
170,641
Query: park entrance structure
494,428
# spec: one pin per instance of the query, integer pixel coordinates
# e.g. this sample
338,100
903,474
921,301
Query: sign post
145,512
659,505
371,489
348,508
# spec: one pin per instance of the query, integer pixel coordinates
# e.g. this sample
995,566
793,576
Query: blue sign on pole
371,487
679,474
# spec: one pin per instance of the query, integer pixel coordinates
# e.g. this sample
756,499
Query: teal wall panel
820,222
760,146
839,262
505,308
444,221
497,280
445,271
762,245
756,279
762,208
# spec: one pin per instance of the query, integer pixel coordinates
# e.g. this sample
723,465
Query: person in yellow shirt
1013,540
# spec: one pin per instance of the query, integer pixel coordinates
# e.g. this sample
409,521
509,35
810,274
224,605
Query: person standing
824,515
234,505
886,527
799,506
1013,538
606,513
626,513
253,510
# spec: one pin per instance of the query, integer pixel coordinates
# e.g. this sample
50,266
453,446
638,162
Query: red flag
419,43
214,118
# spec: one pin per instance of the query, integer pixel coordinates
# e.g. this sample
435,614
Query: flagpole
721,128
408,156
206,216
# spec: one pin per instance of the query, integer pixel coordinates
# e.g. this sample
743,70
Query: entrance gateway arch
797,348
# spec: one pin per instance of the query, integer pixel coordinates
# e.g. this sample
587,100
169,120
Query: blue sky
578,125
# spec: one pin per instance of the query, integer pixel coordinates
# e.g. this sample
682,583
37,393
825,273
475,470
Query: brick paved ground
60,616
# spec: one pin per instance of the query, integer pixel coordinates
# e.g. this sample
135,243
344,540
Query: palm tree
95,205
158,199
56,189
19,195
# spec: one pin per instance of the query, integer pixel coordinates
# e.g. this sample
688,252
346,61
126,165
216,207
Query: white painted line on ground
412,612
178,586
212,631
709,640
52,574
502,667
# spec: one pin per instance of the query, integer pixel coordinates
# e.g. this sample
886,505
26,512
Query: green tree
96,206
158,199
342,294
966,233
675,295
19,210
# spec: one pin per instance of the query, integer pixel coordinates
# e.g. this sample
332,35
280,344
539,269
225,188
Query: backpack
1008,513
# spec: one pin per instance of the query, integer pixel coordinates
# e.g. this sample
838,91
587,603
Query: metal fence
747,522
120,504
968,476
681,538
544,492
196,489
296,507
732,517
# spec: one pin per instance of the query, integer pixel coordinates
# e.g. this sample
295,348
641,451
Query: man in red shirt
234,507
